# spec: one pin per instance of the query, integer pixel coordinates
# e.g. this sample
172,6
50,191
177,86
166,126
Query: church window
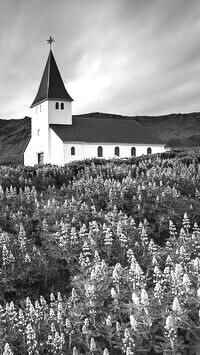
57,105
99,151
149,150
41,158
62,105
117,151
133,152
72,150
40,108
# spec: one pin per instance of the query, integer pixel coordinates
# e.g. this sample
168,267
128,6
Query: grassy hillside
14,137
175,130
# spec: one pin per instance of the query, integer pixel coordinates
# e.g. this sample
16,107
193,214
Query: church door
41,158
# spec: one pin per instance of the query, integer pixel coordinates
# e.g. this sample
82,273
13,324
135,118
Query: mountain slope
14,137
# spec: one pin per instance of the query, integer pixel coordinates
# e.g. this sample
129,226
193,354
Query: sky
128,57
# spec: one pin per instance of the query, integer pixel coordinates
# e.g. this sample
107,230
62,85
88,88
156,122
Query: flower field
101,257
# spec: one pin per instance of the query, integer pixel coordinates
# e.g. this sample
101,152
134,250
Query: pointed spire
51,85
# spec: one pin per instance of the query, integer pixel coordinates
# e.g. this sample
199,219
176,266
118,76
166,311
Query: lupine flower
144,237
133,322
31,341
130,256
27,258
135,299
86,322
169,261
97,258
42,301
158,292
198,292
118,328
53,328
68,324
129,351
92,345
186,221
22,238
52,299
113,293
108,239
186,281
7,350
154,260
74,294
109,321
75,351
169,325
5,255
172,229
51,313
117,272
144,297
176,306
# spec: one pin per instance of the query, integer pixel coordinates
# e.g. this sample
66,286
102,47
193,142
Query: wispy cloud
128,57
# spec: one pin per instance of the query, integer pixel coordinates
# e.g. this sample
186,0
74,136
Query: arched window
57,105
133,152
149,150
99,151
72,150
62,105
117,151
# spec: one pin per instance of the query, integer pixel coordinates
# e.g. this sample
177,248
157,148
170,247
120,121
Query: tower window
117,151
149,150
62,105
40,108
72,150
57,105
99,151
133,152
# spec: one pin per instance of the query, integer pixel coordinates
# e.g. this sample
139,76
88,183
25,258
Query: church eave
34,104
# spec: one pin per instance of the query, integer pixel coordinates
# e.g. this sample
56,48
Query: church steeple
51,85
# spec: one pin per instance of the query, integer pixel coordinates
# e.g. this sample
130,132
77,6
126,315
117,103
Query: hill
175,130
14,137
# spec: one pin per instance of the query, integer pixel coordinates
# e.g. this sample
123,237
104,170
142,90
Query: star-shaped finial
50,41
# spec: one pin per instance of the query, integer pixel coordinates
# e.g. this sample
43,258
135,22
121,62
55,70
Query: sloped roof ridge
115,116
51,85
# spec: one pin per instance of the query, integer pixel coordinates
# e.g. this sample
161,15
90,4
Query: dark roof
112,130
51,85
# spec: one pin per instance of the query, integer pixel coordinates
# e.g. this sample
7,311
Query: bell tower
52,105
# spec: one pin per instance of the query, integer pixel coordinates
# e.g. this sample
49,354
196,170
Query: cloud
129,57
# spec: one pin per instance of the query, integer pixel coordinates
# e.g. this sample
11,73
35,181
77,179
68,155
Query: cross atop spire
50,41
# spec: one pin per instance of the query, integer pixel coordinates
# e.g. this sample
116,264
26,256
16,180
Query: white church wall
57,149
89,150
58,116
39,135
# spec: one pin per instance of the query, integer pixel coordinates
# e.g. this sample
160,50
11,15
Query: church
58,137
